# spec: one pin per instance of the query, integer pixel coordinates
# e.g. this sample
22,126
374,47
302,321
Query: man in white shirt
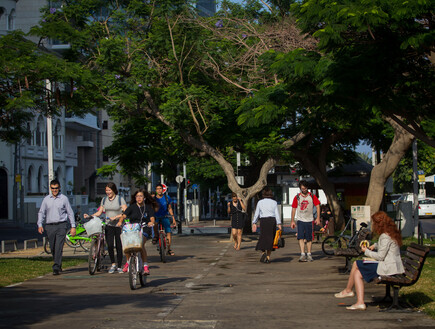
304,203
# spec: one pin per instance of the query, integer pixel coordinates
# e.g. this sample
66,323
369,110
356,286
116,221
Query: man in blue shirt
165,209
55,212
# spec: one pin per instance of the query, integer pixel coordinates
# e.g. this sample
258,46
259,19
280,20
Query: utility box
361,214
404,215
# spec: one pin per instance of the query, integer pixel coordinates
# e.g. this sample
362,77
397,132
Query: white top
267,208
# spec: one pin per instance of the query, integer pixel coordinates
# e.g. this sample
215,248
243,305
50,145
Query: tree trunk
401,142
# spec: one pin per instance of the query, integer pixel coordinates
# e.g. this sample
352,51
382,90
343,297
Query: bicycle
97,251
79,240
133,245
342,241
162,246
135,270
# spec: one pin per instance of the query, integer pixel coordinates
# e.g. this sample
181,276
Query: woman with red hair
387,259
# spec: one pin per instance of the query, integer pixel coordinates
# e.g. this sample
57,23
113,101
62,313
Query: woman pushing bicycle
113,205
141,211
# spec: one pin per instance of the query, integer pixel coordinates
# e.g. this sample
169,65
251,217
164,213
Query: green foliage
379,51
403,175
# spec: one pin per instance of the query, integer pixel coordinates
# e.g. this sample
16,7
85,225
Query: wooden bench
413,261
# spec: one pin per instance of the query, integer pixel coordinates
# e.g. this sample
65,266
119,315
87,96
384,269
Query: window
29,180
105,158
40,137
29,138
11,21
101,188
58,138
105,124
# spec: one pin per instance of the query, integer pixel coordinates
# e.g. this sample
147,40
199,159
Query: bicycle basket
131,241
94,226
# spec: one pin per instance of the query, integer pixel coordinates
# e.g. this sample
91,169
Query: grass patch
14,270
422,294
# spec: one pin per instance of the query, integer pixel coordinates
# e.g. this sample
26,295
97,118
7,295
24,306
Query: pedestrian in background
113,206
53,217
268,215
304,203
237,211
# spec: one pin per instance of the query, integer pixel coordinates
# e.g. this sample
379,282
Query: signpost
179,179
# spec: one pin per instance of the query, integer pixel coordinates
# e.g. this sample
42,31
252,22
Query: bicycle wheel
330,244
132,272
162,247
93,257
71,241
47,248
85,243
142,279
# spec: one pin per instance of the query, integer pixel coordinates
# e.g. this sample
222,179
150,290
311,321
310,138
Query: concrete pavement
207,284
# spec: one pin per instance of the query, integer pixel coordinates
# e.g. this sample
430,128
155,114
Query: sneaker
146,270
303,258
112,269
120,270
309,258
125,269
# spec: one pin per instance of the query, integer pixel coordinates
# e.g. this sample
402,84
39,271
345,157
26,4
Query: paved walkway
207,284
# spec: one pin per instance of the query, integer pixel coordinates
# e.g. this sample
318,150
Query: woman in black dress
236,210
267,215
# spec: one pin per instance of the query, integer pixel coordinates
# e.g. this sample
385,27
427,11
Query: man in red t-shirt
304,203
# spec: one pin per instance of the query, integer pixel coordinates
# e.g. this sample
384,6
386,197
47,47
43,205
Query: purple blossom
44,20
219,24
117,76
75,89
244,36
52,10
140,85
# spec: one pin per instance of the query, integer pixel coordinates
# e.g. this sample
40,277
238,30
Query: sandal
155,240
170,252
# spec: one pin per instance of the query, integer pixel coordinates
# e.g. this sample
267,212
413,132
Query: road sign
179,179
194,186
165,188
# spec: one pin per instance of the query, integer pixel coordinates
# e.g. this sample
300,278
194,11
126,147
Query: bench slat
413,256
416,251
410,262
412,273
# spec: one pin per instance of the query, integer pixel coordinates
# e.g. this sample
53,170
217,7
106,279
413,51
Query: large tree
372,61
158,64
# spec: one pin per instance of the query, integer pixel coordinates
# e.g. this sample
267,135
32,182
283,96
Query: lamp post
49,137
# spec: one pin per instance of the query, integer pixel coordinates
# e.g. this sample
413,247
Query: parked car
426,205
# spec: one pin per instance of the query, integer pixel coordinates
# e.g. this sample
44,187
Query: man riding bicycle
164,214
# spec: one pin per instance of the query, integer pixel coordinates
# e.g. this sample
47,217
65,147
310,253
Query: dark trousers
113,234
56,234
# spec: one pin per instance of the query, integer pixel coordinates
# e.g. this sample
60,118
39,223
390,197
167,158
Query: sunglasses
54,188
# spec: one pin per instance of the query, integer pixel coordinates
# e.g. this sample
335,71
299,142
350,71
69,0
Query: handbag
276,239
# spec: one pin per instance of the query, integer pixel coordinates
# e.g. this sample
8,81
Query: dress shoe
343,294
56,272
354,307
263,257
